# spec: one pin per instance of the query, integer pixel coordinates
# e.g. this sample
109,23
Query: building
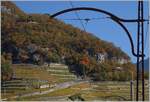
120,60
5,9
101,57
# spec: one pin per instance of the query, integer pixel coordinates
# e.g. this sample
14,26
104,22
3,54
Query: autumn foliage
39,39
85,60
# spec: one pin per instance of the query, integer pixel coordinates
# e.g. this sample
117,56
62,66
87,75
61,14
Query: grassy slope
89,92
32,72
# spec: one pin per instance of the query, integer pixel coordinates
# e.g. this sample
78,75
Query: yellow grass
32,73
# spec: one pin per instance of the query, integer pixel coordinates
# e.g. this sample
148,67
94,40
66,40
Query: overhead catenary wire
86,19
77,15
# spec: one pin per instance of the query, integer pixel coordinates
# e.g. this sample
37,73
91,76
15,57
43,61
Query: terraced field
111,91
16,87
28,78
61,72
100,91
58,74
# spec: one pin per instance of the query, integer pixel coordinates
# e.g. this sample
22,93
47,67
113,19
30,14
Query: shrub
6,71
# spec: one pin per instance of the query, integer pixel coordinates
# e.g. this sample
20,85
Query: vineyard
88,90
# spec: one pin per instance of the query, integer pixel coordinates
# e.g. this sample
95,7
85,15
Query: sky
105,29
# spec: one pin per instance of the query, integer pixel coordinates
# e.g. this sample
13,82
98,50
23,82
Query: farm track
57,87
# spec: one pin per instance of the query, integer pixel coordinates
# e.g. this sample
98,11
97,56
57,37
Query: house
100,57
32,22
122,60
5,9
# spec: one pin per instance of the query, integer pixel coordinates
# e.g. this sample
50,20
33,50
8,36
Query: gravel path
57,87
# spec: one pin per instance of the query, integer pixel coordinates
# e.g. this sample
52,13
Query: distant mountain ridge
146,64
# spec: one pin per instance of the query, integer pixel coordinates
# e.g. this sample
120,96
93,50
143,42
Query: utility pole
142,38
131,90
137,75
84,73
140,49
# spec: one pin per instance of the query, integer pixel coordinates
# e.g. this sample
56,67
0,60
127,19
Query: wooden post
84,72
131,90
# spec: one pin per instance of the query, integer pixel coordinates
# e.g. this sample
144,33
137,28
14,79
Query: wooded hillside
38,39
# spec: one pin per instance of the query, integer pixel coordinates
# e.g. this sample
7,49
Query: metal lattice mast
142,38
140,50
138,61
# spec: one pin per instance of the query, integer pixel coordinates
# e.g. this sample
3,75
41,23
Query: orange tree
84,62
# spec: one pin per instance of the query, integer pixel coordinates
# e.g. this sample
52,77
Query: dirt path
57,87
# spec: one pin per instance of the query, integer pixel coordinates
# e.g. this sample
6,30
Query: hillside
38,39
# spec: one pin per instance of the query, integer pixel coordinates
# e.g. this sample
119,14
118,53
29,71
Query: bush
146,75
76,97
6,71
53,57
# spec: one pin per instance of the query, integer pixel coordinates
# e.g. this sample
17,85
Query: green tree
6,70
53,57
